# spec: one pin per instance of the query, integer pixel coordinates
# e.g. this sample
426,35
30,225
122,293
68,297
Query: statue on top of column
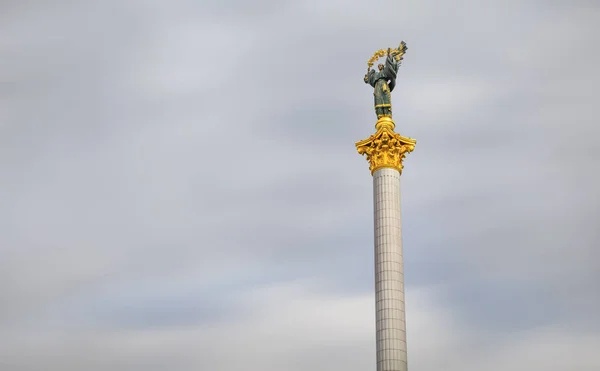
384,80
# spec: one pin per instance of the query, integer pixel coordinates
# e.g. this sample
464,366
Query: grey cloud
135,203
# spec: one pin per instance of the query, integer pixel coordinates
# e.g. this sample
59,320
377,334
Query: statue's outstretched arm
367,78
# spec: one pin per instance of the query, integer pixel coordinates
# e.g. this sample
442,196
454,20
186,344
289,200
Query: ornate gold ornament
386,148
397,52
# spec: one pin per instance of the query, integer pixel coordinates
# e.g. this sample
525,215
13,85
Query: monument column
385,151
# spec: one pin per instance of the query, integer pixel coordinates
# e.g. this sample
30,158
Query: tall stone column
385,151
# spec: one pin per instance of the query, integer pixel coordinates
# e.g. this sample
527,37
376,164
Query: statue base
385,122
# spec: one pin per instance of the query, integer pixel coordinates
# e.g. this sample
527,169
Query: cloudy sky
179,187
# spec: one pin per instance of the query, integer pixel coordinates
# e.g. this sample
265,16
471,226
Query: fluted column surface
389,272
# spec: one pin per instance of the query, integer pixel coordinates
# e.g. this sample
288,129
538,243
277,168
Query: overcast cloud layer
179,187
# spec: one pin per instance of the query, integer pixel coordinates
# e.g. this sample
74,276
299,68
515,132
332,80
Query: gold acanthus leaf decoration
386,148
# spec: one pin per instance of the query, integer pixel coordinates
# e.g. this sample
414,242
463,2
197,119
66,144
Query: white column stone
389,272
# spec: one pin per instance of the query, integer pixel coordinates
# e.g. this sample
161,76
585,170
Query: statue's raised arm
391,70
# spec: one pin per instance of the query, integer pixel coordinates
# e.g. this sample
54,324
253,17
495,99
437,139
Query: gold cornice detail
385,148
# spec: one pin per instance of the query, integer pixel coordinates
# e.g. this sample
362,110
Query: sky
179,186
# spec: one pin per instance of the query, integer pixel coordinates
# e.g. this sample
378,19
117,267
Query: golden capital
385,148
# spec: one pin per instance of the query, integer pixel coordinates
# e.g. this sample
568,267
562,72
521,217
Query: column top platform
385,148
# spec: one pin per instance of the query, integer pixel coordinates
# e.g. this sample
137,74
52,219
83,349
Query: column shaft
389,272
